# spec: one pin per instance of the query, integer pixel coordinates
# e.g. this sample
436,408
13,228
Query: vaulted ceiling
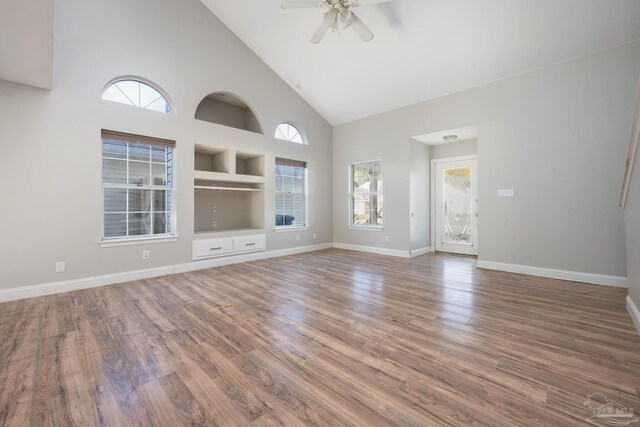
423,49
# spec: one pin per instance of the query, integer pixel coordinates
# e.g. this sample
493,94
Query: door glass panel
457,206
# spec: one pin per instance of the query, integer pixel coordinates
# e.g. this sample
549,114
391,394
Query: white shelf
207,234
204,187
227,177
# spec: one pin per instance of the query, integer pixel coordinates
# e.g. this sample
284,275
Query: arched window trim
147,82
303,136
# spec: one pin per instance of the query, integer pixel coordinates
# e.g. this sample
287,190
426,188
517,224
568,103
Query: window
366,194
137,187
289,132
137,94
291,193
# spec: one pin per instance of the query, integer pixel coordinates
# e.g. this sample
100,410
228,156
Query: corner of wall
632,308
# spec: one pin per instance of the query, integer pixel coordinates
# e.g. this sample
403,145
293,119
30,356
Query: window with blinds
291,193
137,187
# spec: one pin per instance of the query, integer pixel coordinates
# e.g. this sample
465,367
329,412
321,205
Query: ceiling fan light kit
338,16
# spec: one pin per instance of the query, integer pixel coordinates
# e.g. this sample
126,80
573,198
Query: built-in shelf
228,186
230,110
226,233
249,164
211,159
212,188
227,177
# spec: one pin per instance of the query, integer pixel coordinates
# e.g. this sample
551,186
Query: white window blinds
291,193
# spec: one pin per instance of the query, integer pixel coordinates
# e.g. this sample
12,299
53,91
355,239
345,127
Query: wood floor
326,338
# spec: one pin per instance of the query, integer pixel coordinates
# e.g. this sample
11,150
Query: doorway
454,201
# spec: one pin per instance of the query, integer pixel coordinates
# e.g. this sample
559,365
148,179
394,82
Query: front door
456,201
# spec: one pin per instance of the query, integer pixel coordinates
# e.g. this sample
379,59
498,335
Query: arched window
289,132
138,94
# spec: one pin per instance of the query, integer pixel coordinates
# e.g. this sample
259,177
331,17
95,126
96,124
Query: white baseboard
15,294
634,312
421,251
373,250
574,276
24,292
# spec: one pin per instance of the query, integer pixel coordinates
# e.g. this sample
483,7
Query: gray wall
420,187
557,135
454,149
50,167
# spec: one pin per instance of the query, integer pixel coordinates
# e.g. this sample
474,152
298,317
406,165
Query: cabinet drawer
212,247
249,243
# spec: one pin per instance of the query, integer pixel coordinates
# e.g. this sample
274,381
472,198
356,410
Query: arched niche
228,109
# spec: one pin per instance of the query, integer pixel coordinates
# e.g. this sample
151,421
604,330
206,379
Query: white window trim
142,241
351,225
147,82
146,239
303,136
367,227
281,228
284,228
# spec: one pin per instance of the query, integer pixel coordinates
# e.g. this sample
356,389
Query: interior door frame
432,209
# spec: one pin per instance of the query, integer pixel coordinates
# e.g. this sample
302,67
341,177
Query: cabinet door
249,243
208,248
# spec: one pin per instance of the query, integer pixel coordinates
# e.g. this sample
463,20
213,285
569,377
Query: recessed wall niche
227,109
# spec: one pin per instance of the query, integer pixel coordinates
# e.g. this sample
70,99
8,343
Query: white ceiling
26,42
422,49
437,138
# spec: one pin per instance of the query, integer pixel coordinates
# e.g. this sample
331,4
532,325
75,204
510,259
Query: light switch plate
506,193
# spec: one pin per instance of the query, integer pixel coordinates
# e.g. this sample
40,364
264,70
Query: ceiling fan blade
300,4
368,2
358,26
320,32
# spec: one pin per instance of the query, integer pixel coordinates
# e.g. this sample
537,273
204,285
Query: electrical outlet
146,254
506,193
61,267
314,236
215,209
297,237
387,239
214,224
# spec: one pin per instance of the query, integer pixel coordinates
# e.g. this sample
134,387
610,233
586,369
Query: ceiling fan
338,16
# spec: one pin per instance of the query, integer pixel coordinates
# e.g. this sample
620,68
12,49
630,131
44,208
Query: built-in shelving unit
230,110
228,196
227,177
219,188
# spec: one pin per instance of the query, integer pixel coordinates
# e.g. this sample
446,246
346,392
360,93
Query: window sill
132,242
285,229
367,227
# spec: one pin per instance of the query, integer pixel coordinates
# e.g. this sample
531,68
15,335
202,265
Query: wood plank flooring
326,338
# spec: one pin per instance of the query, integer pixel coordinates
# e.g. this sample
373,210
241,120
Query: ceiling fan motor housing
338,15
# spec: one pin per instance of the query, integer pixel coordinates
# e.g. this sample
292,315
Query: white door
456,206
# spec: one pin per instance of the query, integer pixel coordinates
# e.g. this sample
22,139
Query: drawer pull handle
215,249
250,244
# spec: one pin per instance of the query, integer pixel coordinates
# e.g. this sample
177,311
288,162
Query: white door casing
454,202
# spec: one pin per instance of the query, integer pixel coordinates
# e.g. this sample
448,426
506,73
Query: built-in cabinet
228,202
224,246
